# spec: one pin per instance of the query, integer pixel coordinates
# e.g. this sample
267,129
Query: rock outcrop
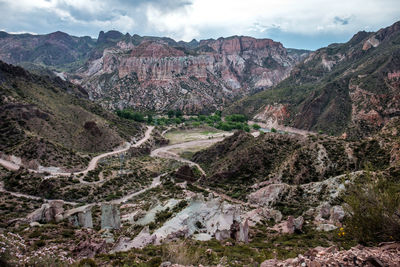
110,216
203,219
82,218
49,212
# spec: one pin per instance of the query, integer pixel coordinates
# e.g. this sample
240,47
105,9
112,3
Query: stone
89,245
244,232
35,224
337,214
298,223
325,211
49,212
140,241
268,214
82,218
268,195
110,216
326,227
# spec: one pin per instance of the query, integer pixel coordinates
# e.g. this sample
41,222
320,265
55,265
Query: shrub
273,130
87,263
256,127
236,118
374,208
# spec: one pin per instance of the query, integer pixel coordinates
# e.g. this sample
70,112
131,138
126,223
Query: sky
307,24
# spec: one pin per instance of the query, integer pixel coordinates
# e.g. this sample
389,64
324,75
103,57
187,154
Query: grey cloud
341,21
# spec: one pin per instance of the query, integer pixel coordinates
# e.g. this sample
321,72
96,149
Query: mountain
154,73
57,51
49,122
159,74
350,88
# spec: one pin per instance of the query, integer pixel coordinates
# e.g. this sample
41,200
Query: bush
273,130
374,208
256,127
87,263
131,115
236,118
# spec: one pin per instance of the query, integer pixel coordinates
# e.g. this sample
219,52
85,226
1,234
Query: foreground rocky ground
143,210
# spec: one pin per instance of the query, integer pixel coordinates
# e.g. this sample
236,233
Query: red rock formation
156,75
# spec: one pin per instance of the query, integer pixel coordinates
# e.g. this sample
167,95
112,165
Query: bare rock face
141,240
110,216
82,218
268,195
203,219
157,75
49,212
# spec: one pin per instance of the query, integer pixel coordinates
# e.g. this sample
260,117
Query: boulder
298,224
290,226
244,232
337,214
49,212
325,210
326,227
268,195
82,218
110,216
140,241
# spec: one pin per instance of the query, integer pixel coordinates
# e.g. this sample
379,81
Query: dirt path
29,196
92,164
156,182
164,152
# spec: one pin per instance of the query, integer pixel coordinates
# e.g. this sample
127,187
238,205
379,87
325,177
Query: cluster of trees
131,115
231,122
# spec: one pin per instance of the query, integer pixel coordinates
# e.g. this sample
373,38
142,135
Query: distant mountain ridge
154,73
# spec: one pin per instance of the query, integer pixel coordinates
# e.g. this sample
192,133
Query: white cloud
188,19
292,16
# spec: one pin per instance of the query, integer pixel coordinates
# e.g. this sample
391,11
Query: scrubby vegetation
374,206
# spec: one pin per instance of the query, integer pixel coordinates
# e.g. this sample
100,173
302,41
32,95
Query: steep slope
160,74
352,87
51,122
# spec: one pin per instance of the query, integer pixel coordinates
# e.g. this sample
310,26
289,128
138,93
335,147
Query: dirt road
92,164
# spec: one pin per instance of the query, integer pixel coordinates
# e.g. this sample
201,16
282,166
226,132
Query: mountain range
152,73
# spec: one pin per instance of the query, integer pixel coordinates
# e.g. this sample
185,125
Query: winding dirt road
92,164
164,152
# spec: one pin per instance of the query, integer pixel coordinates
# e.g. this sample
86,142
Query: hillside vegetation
53,122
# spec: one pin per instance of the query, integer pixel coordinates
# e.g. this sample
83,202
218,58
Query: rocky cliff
158,74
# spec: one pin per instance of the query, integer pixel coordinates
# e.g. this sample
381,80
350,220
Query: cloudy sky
307,24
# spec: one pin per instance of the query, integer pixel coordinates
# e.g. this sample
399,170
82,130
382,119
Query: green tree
171,113
149,118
